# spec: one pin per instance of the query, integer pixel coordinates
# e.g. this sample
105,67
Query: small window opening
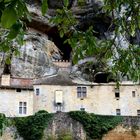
138,112
117,93
82,109
18,90
118,112
37,91
133,94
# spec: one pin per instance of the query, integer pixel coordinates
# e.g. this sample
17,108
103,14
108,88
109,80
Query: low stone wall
61,123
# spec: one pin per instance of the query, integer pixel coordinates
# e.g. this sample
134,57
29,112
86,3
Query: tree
125,25
12,13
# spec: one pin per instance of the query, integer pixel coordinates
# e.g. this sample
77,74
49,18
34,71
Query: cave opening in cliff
65,48
102,77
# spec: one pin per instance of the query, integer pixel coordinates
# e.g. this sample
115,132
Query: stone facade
100,99
61,93
10,100
16,99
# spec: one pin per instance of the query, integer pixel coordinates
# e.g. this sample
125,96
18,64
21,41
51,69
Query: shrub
3,123
32,127
95,125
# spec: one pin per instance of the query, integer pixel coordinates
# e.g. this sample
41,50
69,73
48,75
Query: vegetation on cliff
3,123
107,46
95,125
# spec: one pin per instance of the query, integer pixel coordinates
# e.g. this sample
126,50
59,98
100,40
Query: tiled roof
59,79
23,83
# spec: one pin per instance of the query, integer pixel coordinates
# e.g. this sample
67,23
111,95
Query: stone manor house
22,97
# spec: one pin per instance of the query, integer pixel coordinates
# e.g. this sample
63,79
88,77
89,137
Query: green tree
125,20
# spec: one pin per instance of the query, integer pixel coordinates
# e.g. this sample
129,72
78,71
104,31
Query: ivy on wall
3,123
31,127
95,125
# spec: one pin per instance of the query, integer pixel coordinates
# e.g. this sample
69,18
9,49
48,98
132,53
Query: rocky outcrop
62,124
10,133
35,58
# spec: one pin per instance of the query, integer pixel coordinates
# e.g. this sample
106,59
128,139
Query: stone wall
63,124
100,99
10,133
10,99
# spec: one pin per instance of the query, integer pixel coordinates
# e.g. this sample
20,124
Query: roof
22,83
62,78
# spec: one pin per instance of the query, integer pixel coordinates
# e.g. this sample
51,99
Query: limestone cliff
35,58
38,51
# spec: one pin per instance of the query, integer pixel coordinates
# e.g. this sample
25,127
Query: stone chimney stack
5,80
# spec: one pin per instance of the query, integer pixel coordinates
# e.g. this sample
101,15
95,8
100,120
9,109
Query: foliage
12,14
95,125
125,22
62,136
31,127
3,123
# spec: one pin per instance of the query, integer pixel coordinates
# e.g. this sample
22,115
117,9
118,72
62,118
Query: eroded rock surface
35,59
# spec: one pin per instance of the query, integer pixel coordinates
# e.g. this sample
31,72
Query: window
118,112
18,90
82,109
22,107
81,92
37,91
138,112
133,93
117,93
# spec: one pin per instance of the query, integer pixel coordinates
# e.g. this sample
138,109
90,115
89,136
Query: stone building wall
100,99
9,102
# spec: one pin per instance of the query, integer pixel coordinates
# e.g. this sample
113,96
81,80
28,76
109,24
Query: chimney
5,80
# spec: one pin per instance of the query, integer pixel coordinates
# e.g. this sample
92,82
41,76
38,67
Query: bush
3,123
32,127
95,125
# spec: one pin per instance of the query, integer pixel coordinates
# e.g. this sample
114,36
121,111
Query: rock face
35,59
10,133
63,125
89,13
